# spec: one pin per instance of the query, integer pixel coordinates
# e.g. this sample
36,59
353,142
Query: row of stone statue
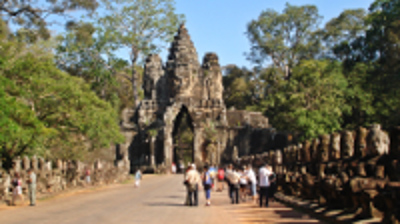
62,175
356,171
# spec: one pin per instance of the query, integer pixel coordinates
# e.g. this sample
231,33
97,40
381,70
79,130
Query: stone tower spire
182,65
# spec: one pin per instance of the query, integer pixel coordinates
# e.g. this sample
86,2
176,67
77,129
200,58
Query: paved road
158,200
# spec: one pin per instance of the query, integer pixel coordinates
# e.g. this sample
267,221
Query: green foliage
49,109
33,16
311,102
285,39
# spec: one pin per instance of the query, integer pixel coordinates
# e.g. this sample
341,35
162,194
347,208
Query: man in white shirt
233,179
193,180
264,174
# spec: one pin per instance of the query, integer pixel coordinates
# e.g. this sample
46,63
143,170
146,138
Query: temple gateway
183,91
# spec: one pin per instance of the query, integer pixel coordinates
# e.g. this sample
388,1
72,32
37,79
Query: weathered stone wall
53,178
356,171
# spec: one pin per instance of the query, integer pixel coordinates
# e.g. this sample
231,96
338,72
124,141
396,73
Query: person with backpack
221,179
233,179
17,189
207,183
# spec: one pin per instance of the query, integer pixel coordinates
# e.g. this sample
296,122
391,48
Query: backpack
221,174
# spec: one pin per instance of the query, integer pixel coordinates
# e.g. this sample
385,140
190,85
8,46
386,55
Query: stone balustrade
356,171
58,176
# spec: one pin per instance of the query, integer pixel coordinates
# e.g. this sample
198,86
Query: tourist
181,167
138,178
243,183
32,187
272,183
173,168
207,183
251,177
87,176
192,180
17,189
229,170
221,179
264,174
213,173
233,177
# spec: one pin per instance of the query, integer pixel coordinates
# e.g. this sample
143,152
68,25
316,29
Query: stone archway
183,136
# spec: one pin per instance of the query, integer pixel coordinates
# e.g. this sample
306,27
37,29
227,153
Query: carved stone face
314,149
294,153
271,157
334,153
361,142
299,152
306,157
395,142
278,157
377,141
347,144
323,149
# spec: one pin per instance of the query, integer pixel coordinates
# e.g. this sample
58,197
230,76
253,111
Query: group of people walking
17,188
241,182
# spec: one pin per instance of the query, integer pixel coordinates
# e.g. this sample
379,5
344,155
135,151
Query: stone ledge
322,213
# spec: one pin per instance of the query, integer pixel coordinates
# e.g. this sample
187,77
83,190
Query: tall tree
34,16
142,26
285,38
341,34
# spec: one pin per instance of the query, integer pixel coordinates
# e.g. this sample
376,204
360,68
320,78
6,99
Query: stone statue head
293,156
334,149
285,155
314,149
278,156
153,70
360,147
347,144
377,141
323,148
395,142
299,152
306,157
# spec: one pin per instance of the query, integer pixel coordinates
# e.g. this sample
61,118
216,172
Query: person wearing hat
192,180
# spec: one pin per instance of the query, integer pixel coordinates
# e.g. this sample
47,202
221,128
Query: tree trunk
134,78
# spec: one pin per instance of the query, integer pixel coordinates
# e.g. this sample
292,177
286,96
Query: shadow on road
162,204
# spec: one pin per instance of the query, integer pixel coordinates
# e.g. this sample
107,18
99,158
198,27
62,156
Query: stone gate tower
185,85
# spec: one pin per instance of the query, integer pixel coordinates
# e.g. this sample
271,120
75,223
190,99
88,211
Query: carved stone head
395,142
271,157
323,148
347,144
334,148
278,156
299,152
293,156
377,141
314,150
360,149
152,72
306,157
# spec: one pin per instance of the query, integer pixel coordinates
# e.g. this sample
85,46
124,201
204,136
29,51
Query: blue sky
219,25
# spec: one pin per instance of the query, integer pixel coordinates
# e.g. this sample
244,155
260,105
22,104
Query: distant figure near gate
138,177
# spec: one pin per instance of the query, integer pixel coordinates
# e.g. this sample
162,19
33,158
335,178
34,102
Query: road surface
158,200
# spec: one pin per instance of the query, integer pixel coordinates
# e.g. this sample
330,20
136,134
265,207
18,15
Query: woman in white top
17,191
243,184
